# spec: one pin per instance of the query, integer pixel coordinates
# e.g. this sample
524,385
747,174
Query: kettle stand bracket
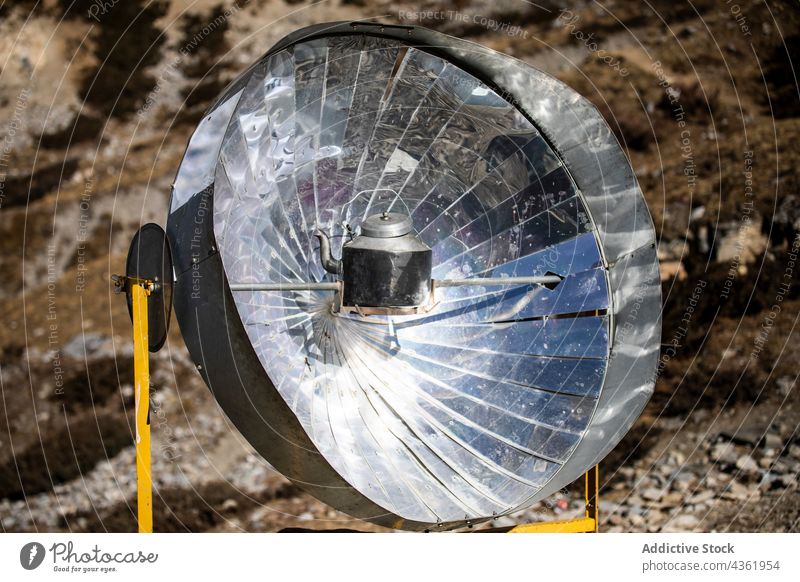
364,310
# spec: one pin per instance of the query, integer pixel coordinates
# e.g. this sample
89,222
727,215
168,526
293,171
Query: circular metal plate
149,257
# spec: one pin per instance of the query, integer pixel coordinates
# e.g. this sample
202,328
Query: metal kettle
386,266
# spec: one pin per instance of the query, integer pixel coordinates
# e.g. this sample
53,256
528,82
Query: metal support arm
471,282
497,281
292,286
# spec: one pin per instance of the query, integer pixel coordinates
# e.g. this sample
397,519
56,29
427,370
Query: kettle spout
328,262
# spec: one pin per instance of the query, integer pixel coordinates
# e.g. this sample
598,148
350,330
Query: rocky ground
97,101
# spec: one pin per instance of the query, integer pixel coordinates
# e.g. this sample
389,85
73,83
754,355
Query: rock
615,519
785,385
626,472
751,434
737,491
701,497
778,466
87,345
765,462
773,441
724,453
685,477
306,516
737,487
794,451
229,505
677,458
769,481
636,520
653,494
747,464
635,500
654,520
635,510
607,506
685,521
647,482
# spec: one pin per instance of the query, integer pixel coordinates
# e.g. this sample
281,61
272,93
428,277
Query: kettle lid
387,225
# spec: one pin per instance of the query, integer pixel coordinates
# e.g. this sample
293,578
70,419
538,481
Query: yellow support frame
140,290
587,524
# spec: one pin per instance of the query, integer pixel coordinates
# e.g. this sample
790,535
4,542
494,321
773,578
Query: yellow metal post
141,364
587,524
592,488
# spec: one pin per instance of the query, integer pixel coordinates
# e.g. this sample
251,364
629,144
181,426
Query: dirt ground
95,112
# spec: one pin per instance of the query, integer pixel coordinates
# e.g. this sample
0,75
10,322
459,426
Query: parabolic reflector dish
489,398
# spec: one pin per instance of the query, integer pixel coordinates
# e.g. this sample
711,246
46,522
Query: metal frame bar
496,281
329,286
292,286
